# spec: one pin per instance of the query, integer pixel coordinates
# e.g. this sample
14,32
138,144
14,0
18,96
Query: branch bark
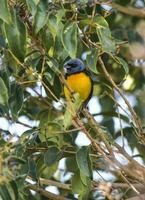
45,193
136,12
139,197
55,183
135,118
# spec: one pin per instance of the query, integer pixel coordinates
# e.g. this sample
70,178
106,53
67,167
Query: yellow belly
79,83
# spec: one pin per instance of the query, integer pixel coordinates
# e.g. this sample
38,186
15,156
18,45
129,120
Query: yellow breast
79,83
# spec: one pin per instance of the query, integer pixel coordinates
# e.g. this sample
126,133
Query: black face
73,66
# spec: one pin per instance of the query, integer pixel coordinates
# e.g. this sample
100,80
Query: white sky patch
62,175
52,189
18,129
33,94
117,124
125,143
121,158
129,151
58,105
38,89
101,176
106,7
94,106
131,99
62,164
138,158
82,140
4,123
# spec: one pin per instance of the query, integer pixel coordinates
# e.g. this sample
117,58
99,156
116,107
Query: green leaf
4,12
67,122
16,99
69,38
52,155
71,109
91,59
31,6
13,190
104,35
32,168
71,164
40,166
4,74
54,23
47,39
79,188
83,161
84,178
59,15
9,191
4,93
16,36
36,1
2,42
4,193
41,16
124,64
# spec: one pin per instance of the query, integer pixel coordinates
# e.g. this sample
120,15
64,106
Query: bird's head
73,66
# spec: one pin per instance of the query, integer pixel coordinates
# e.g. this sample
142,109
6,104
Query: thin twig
45,193
55,183
137,12
101,133
136,119
18,122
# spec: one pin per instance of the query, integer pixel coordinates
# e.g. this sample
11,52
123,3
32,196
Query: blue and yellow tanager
78,79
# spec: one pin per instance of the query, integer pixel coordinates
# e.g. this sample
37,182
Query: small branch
49,90
55,183
45,193
101,133
138,186
136,12
139,131
137,171
77,123
18,122
139,197
43,98
112,113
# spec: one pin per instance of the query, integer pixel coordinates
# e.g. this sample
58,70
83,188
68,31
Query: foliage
36,39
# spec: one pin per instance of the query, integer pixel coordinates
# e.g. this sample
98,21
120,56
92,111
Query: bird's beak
67,66
65,70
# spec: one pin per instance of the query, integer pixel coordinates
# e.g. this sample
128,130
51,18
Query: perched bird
78,79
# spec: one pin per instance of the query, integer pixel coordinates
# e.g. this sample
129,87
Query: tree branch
55,183
136,12
137,123
139,197
129,10
45,193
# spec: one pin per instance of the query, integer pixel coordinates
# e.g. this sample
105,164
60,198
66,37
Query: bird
78,79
